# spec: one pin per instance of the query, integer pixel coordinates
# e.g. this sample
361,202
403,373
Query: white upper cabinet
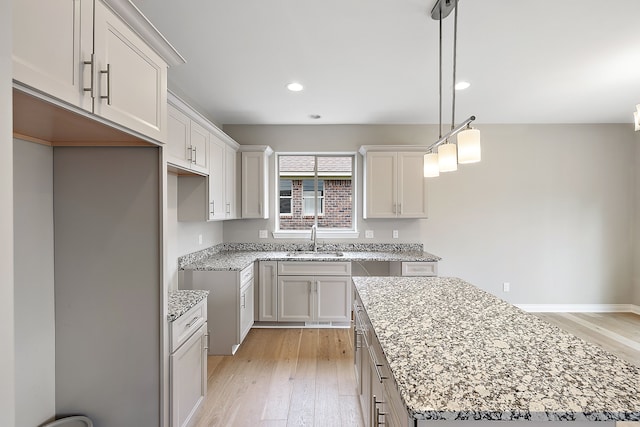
255,181
197,145
217,187
54,63
89,54
230,184
394,185
188,142
130,78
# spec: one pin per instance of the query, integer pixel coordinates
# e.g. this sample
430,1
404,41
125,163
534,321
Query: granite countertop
182,300
459,353
240,256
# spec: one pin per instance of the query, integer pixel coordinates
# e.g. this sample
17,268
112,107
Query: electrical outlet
506,286
395,234
199,239
263,234
368,234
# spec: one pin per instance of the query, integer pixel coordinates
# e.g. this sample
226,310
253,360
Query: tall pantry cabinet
102,112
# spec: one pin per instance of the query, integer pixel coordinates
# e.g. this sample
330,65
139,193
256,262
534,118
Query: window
309,197
316,189
285,196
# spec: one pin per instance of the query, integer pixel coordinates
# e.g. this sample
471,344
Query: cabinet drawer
418,268
314,268
246,275
183,327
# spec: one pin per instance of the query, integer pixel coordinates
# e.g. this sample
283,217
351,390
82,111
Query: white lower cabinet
311,291
268,291
188,365
230,307
413,268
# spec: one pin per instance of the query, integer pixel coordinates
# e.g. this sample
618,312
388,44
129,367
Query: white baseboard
580,308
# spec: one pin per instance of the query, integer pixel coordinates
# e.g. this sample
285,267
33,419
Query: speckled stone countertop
182,300
459,353
239,256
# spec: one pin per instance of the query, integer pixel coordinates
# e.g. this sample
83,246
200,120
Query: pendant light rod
455,46
451,133
440,80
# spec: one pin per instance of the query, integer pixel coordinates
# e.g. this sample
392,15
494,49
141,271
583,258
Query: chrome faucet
314,232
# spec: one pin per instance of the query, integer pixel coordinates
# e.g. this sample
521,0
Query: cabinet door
253,186
295,298
217,208
178,152
188,366
412,186
199,145
246,310
333,298
130,78
268,292
51,40
230,183
380,183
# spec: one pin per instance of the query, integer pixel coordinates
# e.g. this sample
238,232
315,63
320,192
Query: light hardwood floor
284,377
618,333
305,377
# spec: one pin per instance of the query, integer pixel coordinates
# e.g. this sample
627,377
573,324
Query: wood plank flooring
618,333
305,377
284,377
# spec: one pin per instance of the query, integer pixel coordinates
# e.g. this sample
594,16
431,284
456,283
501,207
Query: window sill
306,234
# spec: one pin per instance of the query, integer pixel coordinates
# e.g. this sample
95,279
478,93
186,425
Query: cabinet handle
376,365
244,300
228,208
212,212
400,208
90,88
108,73
193,321
195,155
206,341
376,412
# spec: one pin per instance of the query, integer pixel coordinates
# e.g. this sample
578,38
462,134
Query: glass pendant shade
431,169
447,161
636,118
469,146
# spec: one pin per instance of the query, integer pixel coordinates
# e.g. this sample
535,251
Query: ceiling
376,61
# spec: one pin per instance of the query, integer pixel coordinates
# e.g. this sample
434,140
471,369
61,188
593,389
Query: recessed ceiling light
295,87
314,116
462,85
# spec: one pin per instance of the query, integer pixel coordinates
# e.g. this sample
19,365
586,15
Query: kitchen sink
312,254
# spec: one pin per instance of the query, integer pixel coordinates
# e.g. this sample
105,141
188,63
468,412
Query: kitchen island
445,350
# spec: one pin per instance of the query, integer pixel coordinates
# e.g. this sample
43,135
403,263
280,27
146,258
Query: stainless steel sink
311,254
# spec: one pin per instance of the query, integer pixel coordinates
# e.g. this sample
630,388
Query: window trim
322,233
290,197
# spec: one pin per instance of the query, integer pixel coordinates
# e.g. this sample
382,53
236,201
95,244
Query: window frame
290,197
341,233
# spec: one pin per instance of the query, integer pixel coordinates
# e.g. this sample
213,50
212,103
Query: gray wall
183,236
107,284
34,301
550,208
7,355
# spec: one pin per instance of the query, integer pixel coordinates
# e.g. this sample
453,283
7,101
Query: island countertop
459,353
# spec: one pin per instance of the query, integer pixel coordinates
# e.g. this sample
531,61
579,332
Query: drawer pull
193,322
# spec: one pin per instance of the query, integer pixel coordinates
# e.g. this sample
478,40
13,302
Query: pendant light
636,118
431,168
467,146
